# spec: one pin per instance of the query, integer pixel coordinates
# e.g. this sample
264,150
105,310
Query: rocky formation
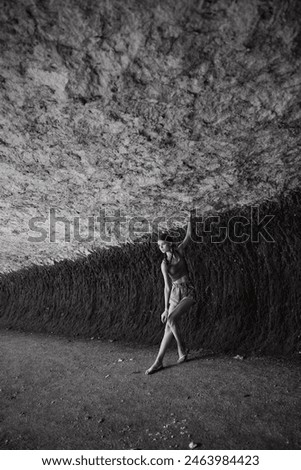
145,107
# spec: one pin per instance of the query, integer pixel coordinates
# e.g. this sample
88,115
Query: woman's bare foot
154,368
183,357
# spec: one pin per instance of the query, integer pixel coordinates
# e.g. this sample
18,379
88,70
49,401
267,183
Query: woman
179,294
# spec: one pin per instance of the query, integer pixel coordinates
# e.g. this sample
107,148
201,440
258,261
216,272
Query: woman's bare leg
183,306
170,331
168,334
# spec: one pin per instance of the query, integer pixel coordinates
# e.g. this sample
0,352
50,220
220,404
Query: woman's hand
164,316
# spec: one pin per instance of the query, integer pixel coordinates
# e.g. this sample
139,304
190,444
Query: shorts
180,291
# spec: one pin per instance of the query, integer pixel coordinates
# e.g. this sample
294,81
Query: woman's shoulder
164,268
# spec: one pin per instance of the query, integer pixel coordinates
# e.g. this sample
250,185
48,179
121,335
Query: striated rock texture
248,294
147,107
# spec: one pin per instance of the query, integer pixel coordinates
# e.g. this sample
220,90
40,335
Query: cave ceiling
144,109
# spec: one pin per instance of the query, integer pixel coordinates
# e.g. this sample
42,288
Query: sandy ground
58,393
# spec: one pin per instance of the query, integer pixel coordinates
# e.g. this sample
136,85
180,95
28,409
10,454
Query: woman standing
179,295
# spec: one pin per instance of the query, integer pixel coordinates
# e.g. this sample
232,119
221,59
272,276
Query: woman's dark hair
165,237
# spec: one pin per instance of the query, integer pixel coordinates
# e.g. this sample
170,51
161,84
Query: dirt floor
57,393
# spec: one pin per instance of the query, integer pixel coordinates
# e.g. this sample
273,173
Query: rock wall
145,107
248,295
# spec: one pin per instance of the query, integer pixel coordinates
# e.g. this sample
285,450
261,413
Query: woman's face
164,246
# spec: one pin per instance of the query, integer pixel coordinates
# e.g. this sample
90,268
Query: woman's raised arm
187,238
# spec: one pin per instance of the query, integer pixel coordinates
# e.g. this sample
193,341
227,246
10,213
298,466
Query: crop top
179,269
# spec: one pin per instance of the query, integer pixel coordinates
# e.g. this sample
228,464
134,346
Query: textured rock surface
147,107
